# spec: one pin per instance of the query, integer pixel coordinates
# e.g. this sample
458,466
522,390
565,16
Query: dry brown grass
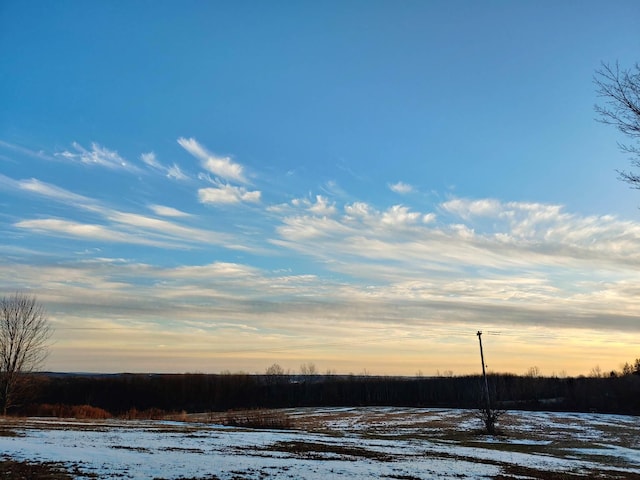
16,470
270,419
319,451
148,414
82,412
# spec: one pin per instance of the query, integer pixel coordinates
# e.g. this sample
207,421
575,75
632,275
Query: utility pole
484,374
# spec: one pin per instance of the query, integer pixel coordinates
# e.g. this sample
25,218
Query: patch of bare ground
261,418
7,432
132,449
17,470
277,419
319,451
511,472
388,424
183,450
209,477
403,477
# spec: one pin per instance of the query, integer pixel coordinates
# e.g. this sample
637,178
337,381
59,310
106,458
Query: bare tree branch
620,90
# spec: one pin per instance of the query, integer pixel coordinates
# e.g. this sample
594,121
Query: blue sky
212,186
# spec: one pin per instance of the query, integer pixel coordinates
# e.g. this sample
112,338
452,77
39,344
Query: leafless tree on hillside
24,342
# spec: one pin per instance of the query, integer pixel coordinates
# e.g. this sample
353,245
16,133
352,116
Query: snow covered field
328,443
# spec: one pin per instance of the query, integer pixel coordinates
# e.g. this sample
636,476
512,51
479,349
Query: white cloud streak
86,231
97,156
149,158
55,193
227,194
39,154
121,227
222,167
401,188
168,211
174,171
321,206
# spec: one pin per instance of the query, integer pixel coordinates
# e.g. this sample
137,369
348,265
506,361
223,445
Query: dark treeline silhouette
204,392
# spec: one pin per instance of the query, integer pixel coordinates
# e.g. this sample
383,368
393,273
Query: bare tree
24,342
533,372
620,90
596,372
274,369
308,369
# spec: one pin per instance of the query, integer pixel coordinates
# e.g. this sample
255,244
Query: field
325,443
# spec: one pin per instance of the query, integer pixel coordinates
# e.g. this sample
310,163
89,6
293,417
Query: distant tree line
120,393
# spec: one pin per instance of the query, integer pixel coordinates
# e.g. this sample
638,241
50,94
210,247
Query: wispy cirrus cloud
148,231
548,228
39,154
478,260
224,171
55,193
173,232
113,225
68,228
150,159
401,188
222,167
228,194
42,189
168,211
98,156
467,235
322,206
174,171
400,216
